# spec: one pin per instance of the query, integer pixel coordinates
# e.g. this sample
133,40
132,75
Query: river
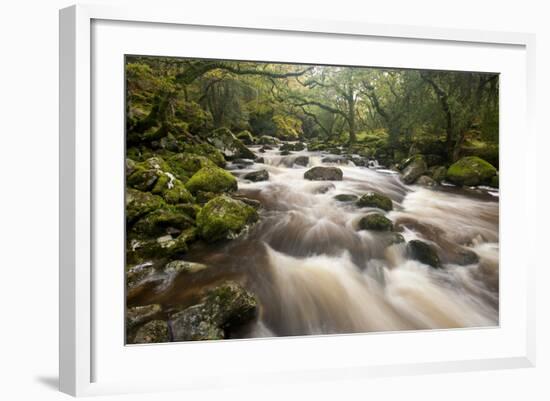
313,272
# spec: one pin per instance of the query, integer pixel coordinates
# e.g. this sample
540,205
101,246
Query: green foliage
288,128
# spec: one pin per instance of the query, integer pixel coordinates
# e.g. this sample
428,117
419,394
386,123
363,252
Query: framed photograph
270,201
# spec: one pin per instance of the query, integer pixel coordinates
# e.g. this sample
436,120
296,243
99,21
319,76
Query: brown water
314,273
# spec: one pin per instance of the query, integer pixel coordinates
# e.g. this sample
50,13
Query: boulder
294,147
207,150
255,176
301,160
374,199
346,198
224,218
245,137
229,145
334,159
437,173
324,174
184,164
375,222
259,160
211,179
140,203
140,315
470,171
156,331
423,252
221,310
166,220
467,257
425,181
414,167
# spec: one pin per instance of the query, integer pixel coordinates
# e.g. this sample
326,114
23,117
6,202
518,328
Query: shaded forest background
386,114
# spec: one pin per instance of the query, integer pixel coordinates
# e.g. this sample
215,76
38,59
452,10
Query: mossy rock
211,179
320,173
221,310
438,173
374,199
141,249
184,164
255,176
144,175
140,315
375,222
229,145
224,218
140,203
207,150
156,331
162,221
424,253
426,181
245,137
346,197
471,171
294,147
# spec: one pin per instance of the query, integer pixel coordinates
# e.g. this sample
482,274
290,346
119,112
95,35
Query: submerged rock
414,167
255,176
212,179
156,331
324,174
224,218
374,199
346,197
423,252
375,222
471,170
221,310
302,161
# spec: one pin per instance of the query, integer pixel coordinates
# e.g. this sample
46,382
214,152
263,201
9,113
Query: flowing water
313,272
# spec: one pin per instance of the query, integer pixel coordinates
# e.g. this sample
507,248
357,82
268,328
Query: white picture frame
82,345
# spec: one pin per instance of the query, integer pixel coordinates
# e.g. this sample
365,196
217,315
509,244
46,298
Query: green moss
345,197
140,203
471,170
375,222
160,221
177,193
423,252
184,165
288,127
224,218
245,137
206,150
211,179
374,199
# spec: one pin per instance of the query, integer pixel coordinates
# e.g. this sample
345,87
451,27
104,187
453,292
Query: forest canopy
376,112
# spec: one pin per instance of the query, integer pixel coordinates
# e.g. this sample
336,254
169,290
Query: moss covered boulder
375,222
229,144
423,252
221,310
166,220
140,203
320,173
140,315
184,164
211,179
471,170
374,199
207,150
224,218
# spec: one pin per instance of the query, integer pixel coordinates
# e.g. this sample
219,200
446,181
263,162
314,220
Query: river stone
139,315
467,257
179,266
374,199
301,161
168,219
375,222
295,147
267,140
423,252
324,174
155,331
211,179
260,160
224,218
255,176
140,203
425,181
334,159
229,144
222,309
414,168
471,171
285,152
438,173
346,197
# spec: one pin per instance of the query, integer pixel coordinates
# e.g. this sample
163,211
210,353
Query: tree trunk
351,119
